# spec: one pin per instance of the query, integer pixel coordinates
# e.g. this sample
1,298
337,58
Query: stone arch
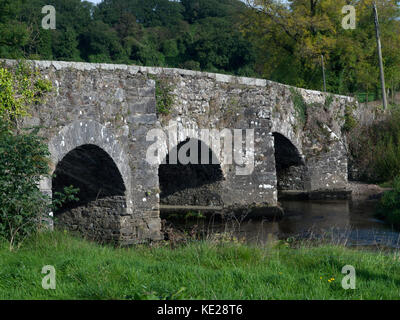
90,138
101,197
285,128
86,132
191,184
180,131
289,163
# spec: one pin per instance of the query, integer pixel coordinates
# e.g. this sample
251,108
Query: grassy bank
196,271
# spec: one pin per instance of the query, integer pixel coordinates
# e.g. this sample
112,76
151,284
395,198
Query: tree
292,35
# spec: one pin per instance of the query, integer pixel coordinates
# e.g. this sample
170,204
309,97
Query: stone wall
214,101
114,107
98,220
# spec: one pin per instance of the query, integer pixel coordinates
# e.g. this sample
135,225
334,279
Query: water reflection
341,221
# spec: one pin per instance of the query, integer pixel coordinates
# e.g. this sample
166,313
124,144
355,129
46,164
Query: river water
339,221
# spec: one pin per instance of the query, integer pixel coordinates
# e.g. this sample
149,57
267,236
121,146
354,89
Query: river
339,221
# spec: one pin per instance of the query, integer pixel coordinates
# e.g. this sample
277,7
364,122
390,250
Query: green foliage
23,161
350,121
375,148
328,101
279,40
19,90
364,97
192,215
24,157
299,105
164,97
389,206
67,196
290,37
202,35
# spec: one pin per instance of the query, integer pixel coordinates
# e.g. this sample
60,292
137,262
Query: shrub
24,157
23,161
375,149
389,205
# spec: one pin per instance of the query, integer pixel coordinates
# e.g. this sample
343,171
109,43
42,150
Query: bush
375,149
23,161
24,157
389,206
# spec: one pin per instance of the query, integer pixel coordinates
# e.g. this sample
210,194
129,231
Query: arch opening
194,183
290,166
101,193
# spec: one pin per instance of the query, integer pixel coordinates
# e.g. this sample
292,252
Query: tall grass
197,270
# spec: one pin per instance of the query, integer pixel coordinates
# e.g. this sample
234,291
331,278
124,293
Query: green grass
199,270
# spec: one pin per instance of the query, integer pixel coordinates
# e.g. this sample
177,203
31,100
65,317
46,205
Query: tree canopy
275,39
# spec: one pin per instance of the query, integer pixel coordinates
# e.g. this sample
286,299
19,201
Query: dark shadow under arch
290,166
191,184
101,193
90,169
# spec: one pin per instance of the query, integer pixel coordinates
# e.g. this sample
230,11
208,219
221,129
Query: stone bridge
97,122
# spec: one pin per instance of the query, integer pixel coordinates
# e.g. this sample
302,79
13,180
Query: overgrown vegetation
164,97
24,157
375,149
19,89
23,161
299,105
350,121
199,270
389,206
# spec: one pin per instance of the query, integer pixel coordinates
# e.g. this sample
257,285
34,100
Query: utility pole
378,41
323,71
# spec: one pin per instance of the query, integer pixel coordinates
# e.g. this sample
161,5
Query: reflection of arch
290,165
194,183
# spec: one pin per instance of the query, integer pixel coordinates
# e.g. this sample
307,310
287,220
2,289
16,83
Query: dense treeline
292,38
278,40
201,35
